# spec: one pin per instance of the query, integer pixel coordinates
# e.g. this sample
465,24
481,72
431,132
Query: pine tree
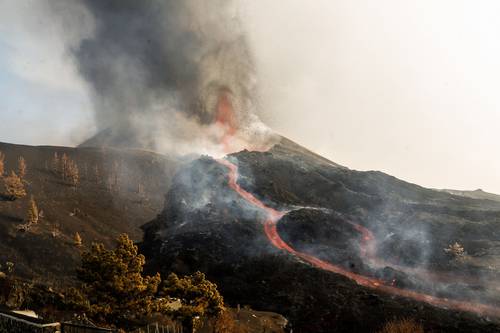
199,297
32,216
21,167
64,166
54,165
115,290
72,173
113,184
77,240
14,186
113,282
456,251
2,164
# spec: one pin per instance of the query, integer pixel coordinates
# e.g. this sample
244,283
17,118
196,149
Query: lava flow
270,229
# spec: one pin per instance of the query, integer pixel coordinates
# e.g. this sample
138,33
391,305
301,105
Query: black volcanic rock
207,226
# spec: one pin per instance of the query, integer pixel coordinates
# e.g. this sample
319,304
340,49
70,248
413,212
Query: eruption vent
176,76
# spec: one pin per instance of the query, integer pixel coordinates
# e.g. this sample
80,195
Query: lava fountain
225,118
270,228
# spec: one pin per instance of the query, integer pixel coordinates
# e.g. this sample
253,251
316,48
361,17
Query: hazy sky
410,88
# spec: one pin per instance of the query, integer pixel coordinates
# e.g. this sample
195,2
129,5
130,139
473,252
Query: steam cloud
157,67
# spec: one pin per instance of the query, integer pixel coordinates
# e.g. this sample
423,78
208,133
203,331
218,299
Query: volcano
333,249
285,230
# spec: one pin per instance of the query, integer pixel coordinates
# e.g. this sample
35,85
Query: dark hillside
118,191
207,225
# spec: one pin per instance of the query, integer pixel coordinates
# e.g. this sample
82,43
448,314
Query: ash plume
156,70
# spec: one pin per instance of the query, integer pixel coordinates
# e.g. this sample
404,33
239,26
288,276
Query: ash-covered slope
117,137
366,225
118,191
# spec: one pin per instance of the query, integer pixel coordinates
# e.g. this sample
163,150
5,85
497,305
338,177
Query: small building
28,322
12,322
27,313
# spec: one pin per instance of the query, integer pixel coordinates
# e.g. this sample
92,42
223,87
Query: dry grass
402,326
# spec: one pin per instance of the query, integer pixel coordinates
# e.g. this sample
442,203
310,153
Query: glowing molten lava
270,229
225,118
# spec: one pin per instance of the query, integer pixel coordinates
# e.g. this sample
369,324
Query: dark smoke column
158,66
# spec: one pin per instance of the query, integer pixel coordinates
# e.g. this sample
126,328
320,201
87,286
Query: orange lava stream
270,229
225,119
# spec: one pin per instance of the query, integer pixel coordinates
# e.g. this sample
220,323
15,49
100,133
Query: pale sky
406,87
